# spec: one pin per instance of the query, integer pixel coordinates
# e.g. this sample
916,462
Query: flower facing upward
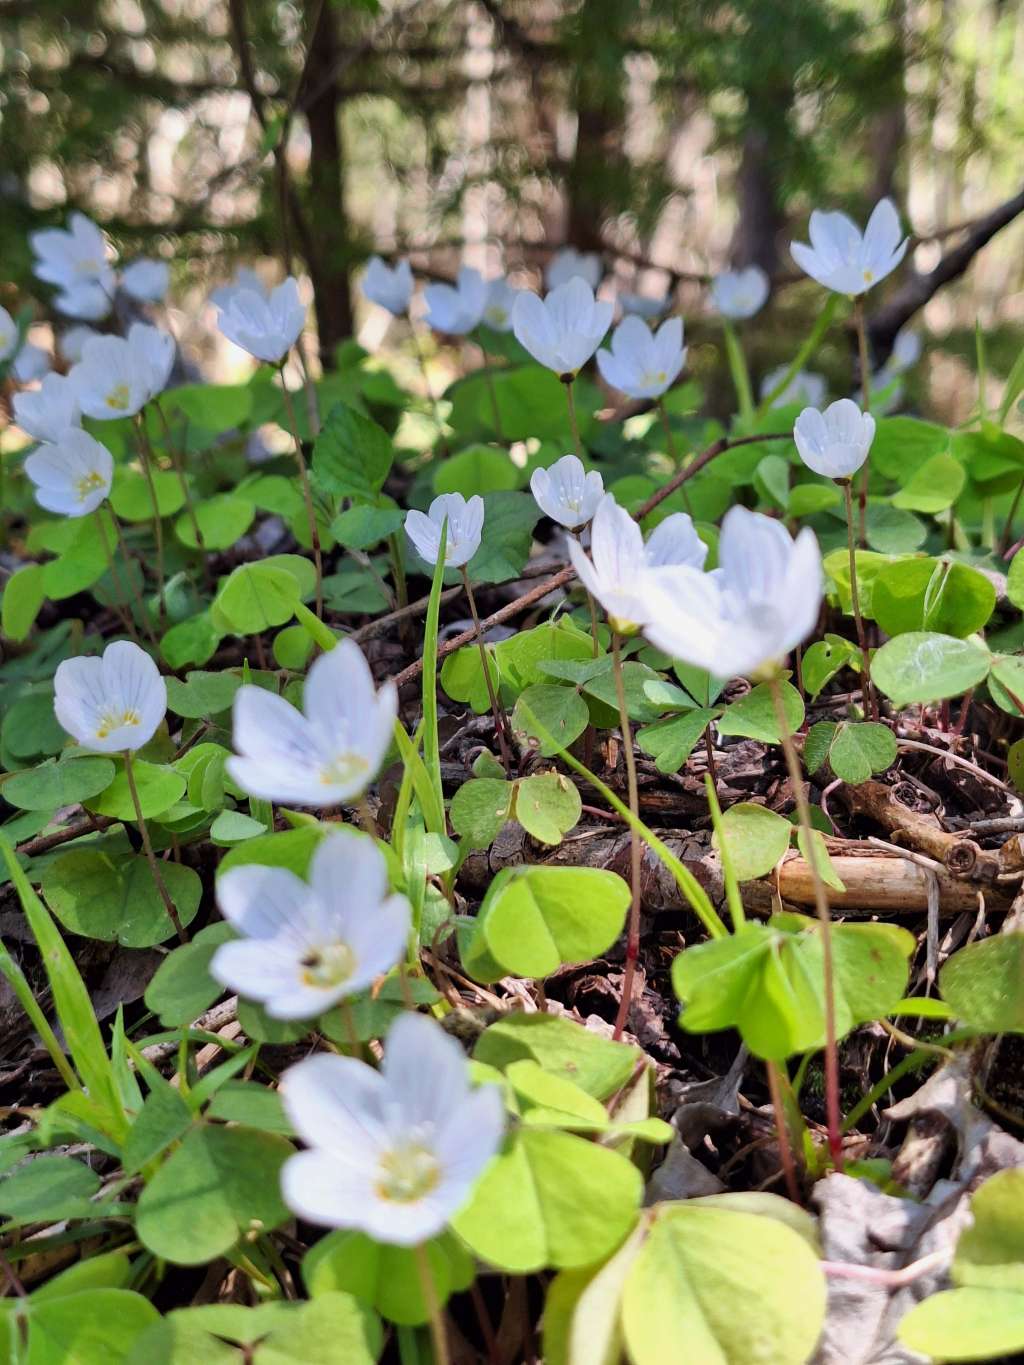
740,294
117,376
642,363
111,703
9,337
564,330
396,1152
146,280
72,256
72,475
844,259
327,753
388,286
266,327
501,299
834,442
620,563
465,527
305,946
566,492
762,601
570,264
456,308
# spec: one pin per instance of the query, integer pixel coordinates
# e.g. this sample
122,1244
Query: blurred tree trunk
755,241
330,255
595,50
890,128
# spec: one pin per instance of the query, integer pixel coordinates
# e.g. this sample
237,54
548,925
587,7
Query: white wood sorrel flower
266,327
834,442
564,330
305,946
111,703
844,259
739,294
642,363
456,308
566,492
146,280
327,753
72,475
746,617
396,1152
570,264
9,338
465,527
48,412
388,286
621,563
501,299
71,256
117,376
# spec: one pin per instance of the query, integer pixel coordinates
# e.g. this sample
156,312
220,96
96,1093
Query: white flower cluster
79,262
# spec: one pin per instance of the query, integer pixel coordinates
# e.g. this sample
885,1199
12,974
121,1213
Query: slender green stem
782,1131
496,712
870,704
578,533
147,845
146,460
732,888
865,386
307,495
833,1113
348,1020
139,604
804,354
1006,539
635,851
739,371
492,390
438,1334
673,454
570,399
179,470
115,576
431,396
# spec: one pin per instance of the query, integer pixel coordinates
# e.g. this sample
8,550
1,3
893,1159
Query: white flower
501,299
72,342
389,286
805,387
117,377
564,330
846,261
31,363
834,442
620,563
73,474
456,308
906,351
761,602
244,280
49,411
306,946
642,363
325,754
265,327
569,264
9,335
465,526
73,256
111,703
566,492
740,293
395,1152
146,280
90,300
642,306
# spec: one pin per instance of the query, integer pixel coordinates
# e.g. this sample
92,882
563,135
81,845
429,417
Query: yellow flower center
343,769
118,397
114,720
869,276
408,1173
654,377
328,966
496,316
88,483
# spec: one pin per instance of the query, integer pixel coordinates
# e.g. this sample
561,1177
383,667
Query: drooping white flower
834,442
501,299
388,286
72,256
564,330
111,703
89,300
72,342
117,376
48,412
740,294
465,527
619,565
31,363
566,492
642,363
395,1152
570,264
456,308
245,280
805,387
305,946
9,336
643,306
844,259
265,327
745,618
73,474
327,753
146,280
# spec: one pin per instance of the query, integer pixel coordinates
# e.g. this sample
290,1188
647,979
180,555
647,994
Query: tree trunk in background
755,241
325,198
890,127
595,55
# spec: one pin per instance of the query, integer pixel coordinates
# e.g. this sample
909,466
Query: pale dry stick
635,849
865,385
955,759
499,718
888,1279
833,1113
146,453
307,494
147,846
862,639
